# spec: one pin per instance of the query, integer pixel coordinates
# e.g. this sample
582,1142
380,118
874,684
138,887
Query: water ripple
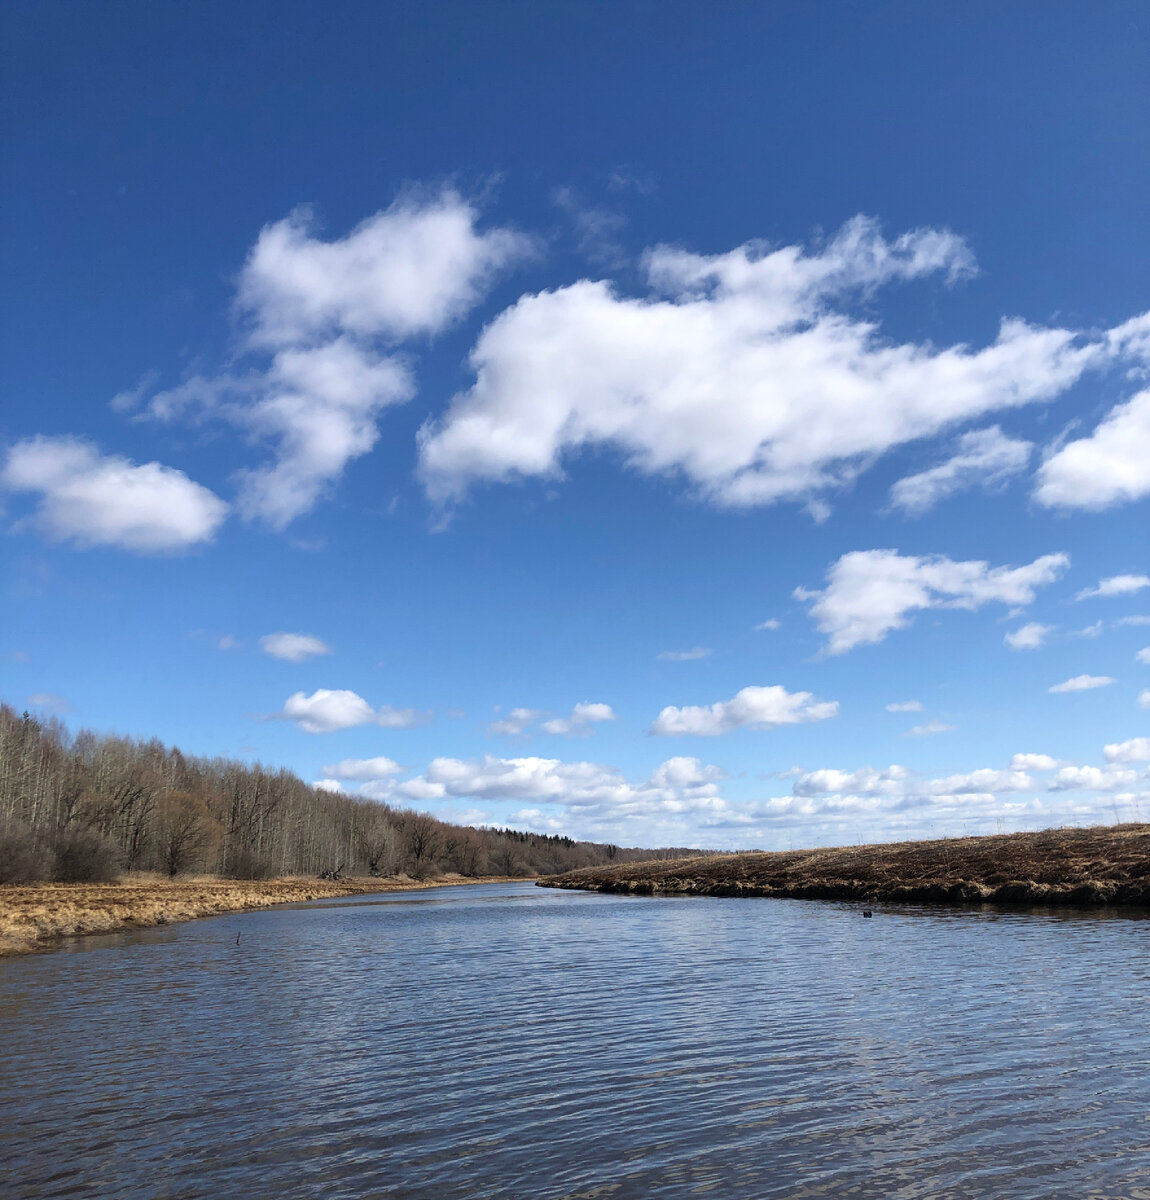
503,1041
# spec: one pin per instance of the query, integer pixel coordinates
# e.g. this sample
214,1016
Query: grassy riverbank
35,916
1102,865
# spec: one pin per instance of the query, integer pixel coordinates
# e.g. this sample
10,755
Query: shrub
86,856
247,864
23,859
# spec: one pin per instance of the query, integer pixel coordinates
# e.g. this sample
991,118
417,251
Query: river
504,1040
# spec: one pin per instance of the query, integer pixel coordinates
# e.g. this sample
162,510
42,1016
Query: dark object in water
238,935
867,912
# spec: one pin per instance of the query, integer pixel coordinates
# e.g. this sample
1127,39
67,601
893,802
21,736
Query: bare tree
185,832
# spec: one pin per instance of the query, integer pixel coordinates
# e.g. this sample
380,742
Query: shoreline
1083,868
35,917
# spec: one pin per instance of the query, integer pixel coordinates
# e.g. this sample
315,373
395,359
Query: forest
86,807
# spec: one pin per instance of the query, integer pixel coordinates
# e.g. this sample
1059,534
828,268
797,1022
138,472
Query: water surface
510,1041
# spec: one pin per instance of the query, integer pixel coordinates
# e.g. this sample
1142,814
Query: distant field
1102,865
34,916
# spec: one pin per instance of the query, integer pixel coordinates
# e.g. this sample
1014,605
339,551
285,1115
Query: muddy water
509,1041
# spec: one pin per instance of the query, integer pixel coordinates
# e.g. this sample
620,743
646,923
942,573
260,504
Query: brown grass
35,916
1103,865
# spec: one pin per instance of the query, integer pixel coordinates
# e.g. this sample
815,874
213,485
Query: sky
670,424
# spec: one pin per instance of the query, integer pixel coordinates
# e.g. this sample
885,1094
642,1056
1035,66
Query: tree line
84,807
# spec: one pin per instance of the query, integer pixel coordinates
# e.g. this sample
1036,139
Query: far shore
35,916
1103,865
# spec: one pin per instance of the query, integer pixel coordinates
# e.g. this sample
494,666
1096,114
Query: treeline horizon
85,807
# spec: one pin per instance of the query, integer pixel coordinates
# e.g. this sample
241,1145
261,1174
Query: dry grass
34,916
1103,865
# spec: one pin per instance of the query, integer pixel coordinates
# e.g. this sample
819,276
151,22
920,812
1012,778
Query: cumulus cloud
742,372
414,268
1143,656
329,313
1134,750
516,722
871,592
1033,762
901,706
985,458
1111,466
1096,779
1116,585
771,623
317,406
591,795
1144,698
293,647
866,782
327,710
1029,637
581,719
105,500
929,728
687,655
1082,683
363,769
751,708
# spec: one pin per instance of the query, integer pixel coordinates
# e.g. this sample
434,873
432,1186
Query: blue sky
720,425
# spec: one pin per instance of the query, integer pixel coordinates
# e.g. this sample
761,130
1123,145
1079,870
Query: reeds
1102,865
34,916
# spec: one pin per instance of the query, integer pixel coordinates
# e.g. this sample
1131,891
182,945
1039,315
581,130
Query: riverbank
35,916
1084,867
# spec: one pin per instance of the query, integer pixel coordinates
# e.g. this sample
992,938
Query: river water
510,1041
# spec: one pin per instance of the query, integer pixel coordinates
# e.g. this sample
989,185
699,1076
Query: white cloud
293,647
414,268
985,457
866,782
50,702
1116,585
228,642
1097,779
321,309
1143,656
104,500
1111,466
984,780
516,722
685,655
328,785
363,769
771,623
901,706
318,406
1090,631
326,711
871,592
1144,698
581,719
1033,762
1029,637
679,794
751,708
1134,750
1138,619
742,372
929,728
1082,683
